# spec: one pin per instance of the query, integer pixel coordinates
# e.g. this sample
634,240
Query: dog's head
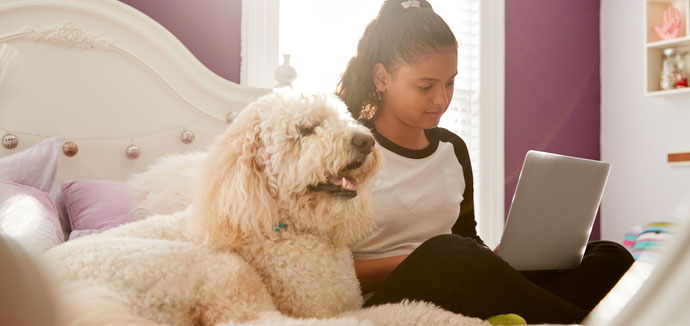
288,165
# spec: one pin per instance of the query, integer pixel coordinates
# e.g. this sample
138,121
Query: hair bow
410,3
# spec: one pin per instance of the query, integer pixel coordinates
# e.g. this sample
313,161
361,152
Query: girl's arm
372,272
465,225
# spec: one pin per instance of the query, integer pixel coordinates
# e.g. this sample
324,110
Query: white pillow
35,166
28,216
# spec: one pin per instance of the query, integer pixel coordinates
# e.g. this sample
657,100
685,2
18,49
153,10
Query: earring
369,110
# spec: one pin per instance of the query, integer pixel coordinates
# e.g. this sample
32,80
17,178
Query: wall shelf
681,41
655,45
668,92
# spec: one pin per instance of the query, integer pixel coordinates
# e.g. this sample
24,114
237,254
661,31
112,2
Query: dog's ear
232,202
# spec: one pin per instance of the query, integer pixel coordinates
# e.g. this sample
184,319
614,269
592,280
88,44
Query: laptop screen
553,210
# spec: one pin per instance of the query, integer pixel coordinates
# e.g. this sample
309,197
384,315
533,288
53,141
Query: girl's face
418,94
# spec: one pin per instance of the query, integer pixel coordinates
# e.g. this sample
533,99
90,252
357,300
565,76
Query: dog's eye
306,131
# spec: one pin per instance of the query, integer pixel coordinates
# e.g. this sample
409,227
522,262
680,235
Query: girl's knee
450,251
450,242
439,242
614,253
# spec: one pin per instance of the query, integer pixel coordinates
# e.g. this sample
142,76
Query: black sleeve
465,225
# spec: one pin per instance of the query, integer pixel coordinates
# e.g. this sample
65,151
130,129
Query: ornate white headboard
105,76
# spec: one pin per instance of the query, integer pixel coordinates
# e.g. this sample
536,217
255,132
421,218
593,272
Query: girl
426,246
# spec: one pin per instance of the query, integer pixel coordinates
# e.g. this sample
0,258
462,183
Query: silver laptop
553,210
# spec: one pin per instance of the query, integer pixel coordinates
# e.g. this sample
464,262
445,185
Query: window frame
491,120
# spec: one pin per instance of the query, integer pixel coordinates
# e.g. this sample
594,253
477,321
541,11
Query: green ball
506,319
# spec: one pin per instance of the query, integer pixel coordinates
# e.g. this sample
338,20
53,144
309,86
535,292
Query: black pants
460,275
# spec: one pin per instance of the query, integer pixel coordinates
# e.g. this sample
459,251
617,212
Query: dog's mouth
340,185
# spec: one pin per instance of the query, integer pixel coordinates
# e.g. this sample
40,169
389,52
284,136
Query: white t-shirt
419,194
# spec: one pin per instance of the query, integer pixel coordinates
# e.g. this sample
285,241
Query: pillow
96,205
28,216
80,233
35,166
642,239
59,201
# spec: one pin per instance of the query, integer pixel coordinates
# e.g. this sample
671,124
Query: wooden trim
678,157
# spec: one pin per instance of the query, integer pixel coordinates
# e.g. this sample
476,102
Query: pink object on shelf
673,19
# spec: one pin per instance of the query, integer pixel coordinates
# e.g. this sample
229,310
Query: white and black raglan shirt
419,194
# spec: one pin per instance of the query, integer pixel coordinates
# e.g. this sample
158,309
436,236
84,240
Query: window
306,31
320,44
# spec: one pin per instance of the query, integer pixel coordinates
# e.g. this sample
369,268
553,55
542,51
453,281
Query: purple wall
552,97
210,29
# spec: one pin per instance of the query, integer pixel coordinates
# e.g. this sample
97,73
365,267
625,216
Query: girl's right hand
372,272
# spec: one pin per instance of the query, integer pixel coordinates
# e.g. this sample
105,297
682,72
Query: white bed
105,76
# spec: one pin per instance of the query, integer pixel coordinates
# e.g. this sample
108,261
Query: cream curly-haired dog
278,198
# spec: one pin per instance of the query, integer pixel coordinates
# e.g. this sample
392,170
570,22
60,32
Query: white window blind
462,117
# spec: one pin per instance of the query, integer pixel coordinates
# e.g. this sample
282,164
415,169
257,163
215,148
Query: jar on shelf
682,76
673,73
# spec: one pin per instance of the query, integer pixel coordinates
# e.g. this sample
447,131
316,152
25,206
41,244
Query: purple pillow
35,166
80,233
28,216
96,205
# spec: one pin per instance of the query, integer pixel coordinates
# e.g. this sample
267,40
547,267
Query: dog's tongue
343,182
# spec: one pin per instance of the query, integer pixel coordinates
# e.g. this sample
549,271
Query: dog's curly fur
277,199
165,187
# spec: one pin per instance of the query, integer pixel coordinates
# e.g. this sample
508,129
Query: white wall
637,131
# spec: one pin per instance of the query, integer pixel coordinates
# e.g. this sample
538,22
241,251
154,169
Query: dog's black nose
363,142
